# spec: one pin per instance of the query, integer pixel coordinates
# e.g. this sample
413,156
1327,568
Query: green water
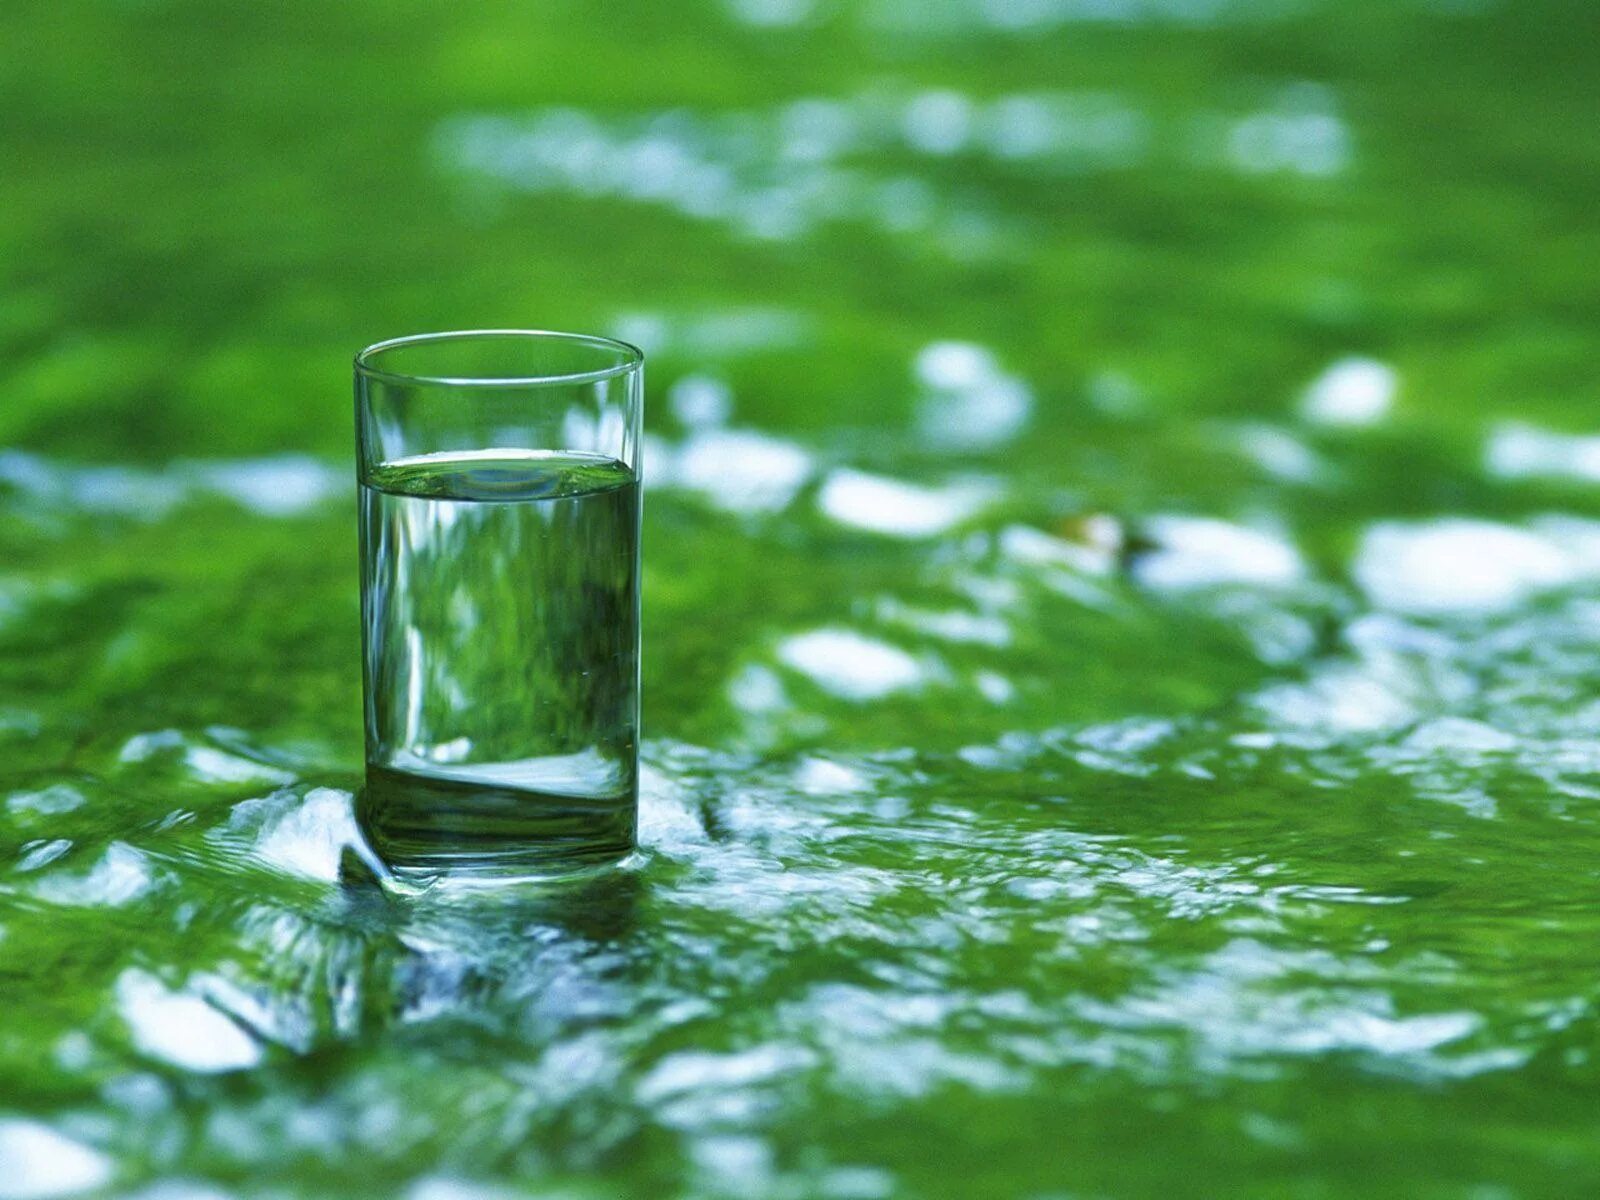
500,600
1120,600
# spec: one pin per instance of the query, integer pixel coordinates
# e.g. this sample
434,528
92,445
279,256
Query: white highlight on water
1462,565
898,509
740,470
205,763
1353,392
1520,451
181,1029
1197,552
970,402
286,485
1034,547
849,664
301,835
120,876
37,1163
700,401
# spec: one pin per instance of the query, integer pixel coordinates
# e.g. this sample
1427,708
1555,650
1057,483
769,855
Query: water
1196,795
501,604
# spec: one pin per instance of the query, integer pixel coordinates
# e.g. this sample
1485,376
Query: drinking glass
499,491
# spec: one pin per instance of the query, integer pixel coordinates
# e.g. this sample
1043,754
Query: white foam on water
1353,392
1200,552
181,1029
36,1162
897,509
850,665
305,836
668,813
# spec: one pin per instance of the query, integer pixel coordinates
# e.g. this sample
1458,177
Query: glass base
432,832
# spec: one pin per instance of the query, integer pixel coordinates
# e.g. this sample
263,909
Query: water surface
1121,600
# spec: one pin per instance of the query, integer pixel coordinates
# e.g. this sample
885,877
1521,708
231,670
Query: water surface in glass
501,637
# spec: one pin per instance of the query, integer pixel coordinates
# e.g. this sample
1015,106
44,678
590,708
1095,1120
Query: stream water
1121,599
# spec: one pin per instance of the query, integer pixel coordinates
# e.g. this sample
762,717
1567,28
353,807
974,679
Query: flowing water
1121,600
501,603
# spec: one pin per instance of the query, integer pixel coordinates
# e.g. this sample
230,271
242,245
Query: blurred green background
1119,593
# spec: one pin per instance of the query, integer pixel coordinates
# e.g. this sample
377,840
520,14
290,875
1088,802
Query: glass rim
632,359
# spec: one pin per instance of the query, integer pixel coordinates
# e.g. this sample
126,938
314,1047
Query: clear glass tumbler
500,509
